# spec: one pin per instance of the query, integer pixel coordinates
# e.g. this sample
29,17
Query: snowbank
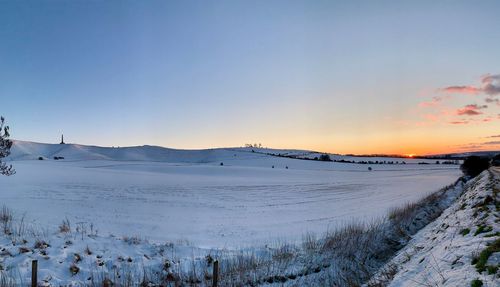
459,247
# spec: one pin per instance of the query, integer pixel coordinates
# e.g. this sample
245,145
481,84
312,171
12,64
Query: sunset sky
417,77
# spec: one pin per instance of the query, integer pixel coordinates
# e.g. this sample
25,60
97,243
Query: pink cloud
459,122
475,114
472,121
490,85
431,117
435,101
470,90
471,110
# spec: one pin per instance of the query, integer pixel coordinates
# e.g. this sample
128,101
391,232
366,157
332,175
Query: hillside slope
25,150
459,248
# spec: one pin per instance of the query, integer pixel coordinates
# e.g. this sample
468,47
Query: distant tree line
255,145
322,157
326,157
370,161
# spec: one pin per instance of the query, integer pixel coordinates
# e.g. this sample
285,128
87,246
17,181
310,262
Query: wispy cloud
471,110
459,122
471,90
492,90
442,108
494,136
432,103
492,143
471,121
479,146
491,101
470,146
490,85
488,78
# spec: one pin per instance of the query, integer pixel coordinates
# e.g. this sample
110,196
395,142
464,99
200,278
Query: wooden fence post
34,275
215,277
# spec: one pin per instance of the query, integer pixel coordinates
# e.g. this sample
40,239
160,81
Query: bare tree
5,145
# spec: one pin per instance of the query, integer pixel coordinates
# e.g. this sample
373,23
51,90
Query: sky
394,77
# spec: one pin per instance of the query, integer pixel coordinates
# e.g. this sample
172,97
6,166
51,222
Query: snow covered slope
460,248
254,196
25,150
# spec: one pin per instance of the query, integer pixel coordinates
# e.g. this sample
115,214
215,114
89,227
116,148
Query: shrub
88,251
476,283
6,219
310,242
474,165
77,258
73,269
24,249
495,161
41,244
325,157
481,260
132,240
465,231
492,269
482,229
65,226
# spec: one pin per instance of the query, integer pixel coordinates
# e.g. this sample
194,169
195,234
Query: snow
187,195
179,205
441,254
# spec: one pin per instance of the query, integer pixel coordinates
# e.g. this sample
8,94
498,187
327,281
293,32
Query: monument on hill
62,139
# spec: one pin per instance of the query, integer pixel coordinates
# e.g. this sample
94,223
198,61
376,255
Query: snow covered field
187,196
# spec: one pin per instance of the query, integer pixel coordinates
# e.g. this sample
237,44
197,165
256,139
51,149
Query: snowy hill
242,156
24,150
460,248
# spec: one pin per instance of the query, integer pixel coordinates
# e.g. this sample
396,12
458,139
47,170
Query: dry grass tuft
65,226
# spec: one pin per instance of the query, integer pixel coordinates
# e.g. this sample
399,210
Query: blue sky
326,75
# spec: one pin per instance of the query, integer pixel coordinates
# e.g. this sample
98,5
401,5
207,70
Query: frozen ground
449,251
174,195
187,205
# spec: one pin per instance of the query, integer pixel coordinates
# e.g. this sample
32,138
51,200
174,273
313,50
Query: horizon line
273,148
